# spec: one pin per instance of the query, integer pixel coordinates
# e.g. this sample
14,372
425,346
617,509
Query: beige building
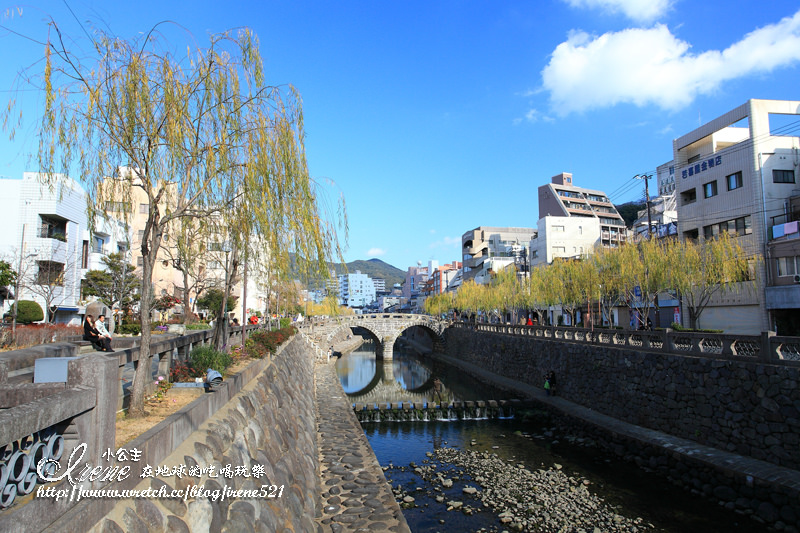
735,175
488,249
167,276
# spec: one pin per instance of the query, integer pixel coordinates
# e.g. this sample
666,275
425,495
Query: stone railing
766,347
50,421
76,413
163,347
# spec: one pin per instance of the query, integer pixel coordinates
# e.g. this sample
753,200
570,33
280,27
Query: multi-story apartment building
380,285
443,275
488,249
563,237
50,244
735,175
561,198
783,249
572,220
356,290
416,277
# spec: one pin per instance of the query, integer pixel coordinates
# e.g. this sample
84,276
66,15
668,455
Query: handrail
766,347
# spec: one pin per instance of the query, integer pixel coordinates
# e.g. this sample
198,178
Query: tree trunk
186,308
142,375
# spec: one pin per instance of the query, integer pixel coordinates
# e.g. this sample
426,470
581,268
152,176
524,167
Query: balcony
786,231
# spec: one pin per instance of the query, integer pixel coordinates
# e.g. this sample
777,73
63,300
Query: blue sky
435,117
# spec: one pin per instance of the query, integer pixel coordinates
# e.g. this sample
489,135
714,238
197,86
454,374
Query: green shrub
677,327
129,329
29,311
261,343
286,322
198,325
205,357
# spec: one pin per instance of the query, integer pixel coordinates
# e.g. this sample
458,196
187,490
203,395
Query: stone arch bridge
386,327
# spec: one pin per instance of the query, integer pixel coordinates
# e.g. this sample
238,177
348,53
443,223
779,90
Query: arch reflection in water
406,378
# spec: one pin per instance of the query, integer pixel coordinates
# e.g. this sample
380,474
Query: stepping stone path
355,493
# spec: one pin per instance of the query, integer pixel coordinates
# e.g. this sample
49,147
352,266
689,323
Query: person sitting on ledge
91,334
105,336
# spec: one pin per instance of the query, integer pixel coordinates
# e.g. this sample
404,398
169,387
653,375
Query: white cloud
533,115
652,66
666,130
447,242
639,10
376,252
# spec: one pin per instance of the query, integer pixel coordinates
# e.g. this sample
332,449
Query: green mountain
375,268
629,211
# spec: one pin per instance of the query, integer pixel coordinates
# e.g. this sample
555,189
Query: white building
49,243
356,290
736,175
564,237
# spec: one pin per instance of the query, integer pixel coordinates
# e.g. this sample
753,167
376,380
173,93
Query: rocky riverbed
522,498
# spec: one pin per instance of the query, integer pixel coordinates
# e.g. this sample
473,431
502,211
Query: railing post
767,352
164,362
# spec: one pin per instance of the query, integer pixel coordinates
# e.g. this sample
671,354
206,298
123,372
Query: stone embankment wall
747,408
271,422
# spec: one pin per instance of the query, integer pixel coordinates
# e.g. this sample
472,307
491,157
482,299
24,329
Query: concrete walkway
720,460
355,493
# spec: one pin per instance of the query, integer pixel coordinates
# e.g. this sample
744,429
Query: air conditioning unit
797,278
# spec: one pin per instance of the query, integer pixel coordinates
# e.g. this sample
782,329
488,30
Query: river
604,493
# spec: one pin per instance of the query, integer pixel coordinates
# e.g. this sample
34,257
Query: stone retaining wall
271,423
748,408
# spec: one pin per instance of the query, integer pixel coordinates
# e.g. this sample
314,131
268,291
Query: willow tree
506,290
644,270
701,270
196,135
611,288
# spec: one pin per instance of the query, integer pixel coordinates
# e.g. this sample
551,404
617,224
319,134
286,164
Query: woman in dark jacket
92,335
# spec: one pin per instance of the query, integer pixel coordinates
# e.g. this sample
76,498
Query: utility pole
650,231
646,179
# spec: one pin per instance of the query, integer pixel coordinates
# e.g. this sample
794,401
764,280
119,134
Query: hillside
375,268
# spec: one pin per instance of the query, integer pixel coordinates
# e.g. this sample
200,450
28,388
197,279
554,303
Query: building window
782,176
144,208
559,250
734,181
85,255
710,189
51,273
118,207
708,232
688,197
53,228
788,266
558,228
744,225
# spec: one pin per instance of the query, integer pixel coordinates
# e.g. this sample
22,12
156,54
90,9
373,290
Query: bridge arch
387,327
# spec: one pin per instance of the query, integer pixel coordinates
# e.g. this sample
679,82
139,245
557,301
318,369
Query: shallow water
533,442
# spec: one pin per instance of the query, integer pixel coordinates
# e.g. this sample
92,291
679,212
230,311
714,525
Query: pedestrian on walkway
550,383
437,389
